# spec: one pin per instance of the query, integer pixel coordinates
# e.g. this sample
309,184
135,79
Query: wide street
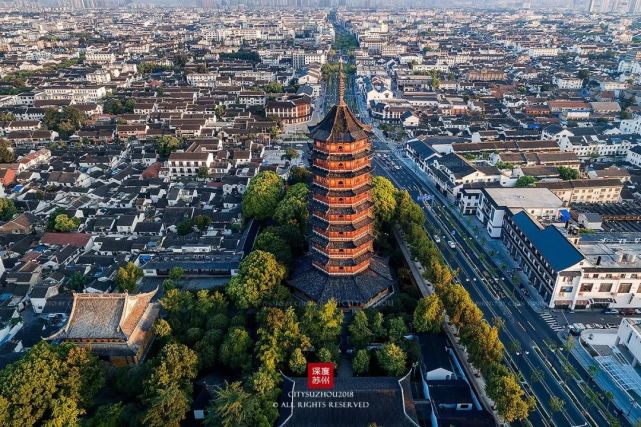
532,347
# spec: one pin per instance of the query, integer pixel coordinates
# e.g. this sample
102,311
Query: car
452,244
637,311
575,331
437,239
610,311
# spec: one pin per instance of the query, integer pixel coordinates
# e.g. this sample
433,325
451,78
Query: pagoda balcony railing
345,235
355,235
345,147
342,201
343,182
344,253
337,166
343,219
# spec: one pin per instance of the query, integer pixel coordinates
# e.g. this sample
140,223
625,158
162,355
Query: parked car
610,311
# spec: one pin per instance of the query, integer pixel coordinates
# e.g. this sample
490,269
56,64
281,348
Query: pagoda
341,263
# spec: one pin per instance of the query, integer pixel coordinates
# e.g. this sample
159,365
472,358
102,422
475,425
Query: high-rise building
341,263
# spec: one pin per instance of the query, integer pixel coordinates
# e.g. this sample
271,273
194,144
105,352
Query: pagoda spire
341,83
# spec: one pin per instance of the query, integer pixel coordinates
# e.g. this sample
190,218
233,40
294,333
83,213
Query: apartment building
188,164
585,190
292,109
575,273
495,203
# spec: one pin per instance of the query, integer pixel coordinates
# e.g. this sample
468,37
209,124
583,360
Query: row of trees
481,339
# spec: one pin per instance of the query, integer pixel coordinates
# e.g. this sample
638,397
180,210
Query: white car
437,239
452,244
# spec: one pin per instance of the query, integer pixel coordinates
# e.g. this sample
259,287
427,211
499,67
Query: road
531,346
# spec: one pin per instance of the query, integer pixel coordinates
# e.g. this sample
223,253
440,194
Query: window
624,288
567,288
586,287
605,287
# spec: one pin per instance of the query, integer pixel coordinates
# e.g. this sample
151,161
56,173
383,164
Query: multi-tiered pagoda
341,263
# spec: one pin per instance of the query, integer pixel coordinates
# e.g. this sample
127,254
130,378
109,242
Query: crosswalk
551,321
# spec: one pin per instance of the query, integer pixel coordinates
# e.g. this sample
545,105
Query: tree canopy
258,280
50,385
167,144
7,209
262,196
428,315
127,277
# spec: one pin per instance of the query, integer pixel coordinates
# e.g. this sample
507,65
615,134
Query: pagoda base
365,289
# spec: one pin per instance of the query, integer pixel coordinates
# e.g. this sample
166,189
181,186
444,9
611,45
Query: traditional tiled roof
113,317
360,289
339,125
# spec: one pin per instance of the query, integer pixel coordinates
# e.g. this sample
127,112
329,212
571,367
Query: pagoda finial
341,83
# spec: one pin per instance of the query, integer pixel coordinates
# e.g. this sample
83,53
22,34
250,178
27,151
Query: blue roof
422,149
564,215
550,243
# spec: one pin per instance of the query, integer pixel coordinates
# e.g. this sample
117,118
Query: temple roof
361,289
105,316
339,125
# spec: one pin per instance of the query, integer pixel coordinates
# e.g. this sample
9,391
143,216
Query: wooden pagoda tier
341,206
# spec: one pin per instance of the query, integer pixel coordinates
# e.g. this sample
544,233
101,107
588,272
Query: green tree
202,222
428,316
49,385
162,328
269,241
299,174
235,352
7,209
258,280
360,334
279,335
7,155
556,404
233,406
360,363
167,144
408,211
166,407
64,223
504,389
392,359
176,273
203,172
396,328
298,362
185,227
127,277
568,173
5,116
177,365
537,376
262,196
77,281
293,208
322,324
107,416
384,198
291,153
525,181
